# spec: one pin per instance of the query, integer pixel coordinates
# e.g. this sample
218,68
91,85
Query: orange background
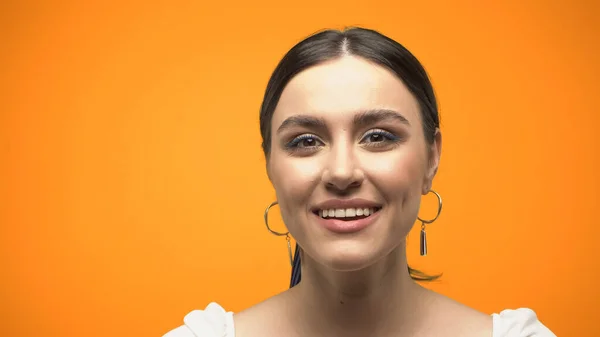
133,184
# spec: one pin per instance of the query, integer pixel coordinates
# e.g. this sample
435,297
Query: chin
348,257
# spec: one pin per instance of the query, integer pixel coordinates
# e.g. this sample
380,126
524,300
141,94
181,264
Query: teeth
344,213
350,212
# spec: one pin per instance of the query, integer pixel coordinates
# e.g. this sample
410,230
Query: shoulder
522,322
460,320
213,321
447,317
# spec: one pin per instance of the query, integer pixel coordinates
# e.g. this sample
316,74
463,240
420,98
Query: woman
351,136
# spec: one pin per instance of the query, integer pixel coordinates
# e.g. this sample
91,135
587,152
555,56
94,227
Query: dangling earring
426,222
286,234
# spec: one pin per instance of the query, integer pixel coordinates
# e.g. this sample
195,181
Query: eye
304,142
378,137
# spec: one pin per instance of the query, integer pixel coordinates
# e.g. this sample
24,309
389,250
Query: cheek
397,173
294,179
397,176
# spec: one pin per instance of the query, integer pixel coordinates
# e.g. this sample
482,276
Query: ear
434,151
268,167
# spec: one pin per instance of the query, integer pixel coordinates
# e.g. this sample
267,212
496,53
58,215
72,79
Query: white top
214,321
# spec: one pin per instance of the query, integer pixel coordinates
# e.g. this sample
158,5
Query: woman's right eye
306,141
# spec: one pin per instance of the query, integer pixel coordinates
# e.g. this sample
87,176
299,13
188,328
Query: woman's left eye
377,136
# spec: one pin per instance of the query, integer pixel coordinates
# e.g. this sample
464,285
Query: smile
347,220
347,213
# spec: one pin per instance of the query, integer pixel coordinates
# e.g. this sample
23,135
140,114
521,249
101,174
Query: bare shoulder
456,319
263,319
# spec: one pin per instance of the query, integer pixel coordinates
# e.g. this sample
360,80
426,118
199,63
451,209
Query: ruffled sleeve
213,321
521,322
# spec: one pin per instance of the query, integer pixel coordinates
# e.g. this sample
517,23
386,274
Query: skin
353,284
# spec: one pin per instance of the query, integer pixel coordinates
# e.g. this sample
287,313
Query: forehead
340,88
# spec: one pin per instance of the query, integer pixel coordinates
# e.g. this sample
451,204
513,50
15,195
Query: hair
359,42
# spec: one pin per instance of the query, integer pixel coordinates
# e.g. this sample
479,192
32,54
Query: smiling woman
351,134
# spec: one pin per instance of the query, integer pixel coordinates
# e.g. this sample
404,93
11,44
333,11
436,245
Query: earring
426,222
286,234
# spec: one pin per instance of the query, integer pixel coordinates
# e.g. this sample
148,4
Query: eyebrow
364,118
379,115
308,122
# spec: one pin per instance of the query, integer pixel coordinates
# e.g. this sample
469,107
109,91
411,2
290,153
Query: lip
347,226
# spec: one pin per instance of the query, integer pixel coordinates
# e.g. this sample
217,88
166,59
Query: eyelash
388,137
293,144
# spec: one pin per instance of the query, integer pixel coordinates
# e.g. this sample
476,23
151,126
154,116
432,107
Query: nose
343,171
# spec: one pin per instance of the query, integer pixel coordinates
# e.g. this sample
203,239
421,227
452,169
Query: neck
372,301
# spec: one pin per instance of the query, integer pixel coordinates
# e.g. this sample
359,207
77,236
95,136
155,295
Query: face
349,161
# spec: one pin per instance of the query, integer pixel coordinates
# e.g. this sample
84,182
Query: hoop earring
427,222
286,234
